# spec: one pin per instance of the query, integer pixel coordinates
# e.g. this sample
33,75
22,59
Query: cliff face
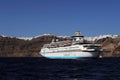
14,47
110,46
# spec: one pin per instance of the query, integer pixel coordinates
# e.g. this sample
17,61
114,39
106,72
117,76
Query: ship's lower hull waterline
71,55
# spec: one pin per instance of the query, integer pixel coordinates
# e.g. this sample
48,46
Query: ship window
74,39
91,47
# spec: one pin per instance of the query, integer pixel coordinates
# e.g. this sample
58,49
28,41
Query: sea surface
59,69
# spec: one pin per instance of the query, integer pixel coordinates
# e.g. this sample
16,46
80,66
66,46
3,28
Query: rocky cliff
110,46
15,47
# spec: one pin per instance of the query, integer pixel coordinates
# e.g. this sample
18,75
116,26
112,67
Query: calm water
47,69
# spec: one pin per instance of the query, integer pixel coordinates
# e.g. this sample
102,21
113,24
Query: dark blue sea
59,69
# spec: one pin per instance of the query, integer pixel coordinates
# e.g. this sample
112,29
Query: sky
27,18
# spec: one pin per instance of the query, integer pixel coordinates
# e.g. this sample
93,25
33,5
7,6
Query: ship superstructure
71,49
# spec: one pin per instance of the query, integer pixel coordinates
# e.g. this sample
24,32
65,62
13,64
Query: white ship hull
75,49
69,52
71,55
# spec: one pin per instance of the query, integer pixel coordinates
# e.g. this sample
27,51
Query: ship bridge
77,38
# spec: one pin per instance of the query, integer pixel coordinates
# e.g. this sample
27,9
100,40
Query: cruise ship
76,48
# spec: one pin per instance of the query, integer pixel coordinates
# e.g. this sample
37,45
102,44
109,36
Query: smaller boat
76,48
